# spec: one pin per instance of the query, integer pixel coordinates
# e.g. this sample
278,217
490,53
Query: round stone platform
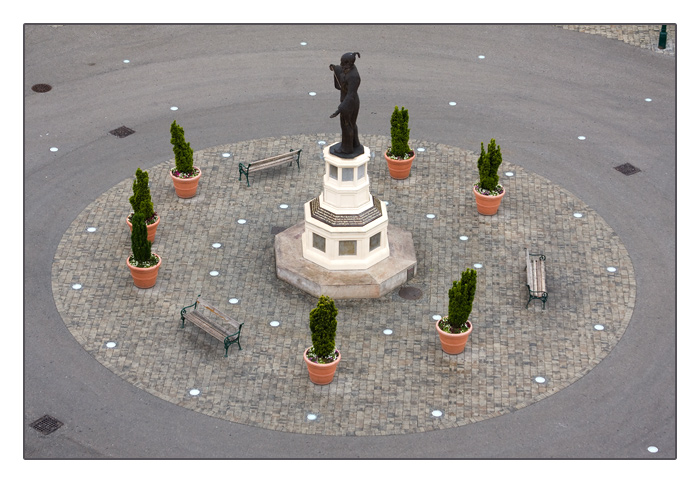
393,378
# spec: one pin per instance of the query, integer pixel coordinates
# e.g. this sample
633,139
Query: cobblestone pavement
644,36
385,384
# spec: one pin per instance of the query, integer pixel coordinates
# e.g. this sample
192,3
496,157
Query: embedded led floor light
214,273
233,301
436,413
275,323
76,286
464,238
216,245
430,216
540,380
111,345
611,269
311,417
478,265
388,331
91,229
578,215
195,392
173,108
599,327
284,206
241,221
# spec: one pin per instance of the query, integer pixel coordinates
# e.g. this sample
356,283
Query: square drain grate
46,424
627,169
122,132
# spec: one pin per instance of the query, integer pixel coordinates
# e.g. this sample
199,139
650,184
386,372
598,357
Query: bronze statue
347,80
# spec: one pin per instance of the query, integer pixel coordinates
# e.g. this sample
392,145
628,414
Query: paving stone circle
385,384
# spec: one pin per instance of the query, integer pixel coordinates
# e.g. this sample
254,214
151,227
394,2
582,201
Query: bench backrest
209,311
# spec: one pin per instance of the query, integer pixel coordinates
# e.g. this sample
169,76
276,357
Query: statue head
347,61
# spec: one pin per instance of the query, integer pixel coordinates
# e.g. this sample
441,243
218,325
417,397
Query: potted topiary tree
185,175
487,191
142,263
141,202
399,157
454,330
322,357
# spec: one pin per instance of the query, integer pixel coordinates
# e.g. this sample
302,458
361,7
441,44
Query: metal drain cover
41,88
627,169
46,424
410,293
122,132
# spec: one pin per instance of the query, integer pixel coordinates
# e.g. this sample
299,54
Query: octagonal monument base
373,282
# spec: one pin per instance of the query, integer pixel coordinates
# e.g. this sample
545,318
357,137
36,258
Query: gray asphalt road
536,90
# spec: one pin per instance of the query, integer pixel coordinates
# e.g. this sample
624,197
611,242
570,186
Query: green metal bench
536,285
246,169
210,319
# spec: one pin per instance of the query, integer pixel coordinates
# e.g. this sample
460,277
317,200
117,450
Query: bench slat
207,326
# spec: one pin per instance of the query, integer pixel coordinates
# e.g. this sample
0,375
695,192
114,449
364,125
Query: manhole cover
41,88
46,424
410,293
627,169
122,132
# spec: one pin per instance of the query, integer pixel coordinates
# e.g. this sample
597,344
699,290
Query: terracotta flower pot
150,229
321,374
453,343
186,187
487,204
399,168
144,277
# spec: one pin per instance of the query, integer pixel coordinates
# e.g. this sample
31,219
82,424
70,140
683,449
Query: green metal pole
662,37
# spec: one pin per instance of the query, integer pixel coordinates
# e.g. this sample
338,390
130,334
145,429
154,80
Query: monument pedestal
345,248
375,281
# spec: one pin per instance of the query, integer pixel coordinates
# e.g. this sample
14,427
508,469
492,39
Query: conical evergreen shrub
140,246
461,297
322,323
399,134
141,199
488,165
183,151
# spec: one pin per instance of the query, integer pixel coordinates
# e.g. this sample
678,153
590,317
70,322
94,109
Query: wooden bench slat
206,325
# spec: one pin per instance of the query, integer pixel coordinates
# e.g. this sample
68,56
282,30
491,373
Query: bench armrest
184,310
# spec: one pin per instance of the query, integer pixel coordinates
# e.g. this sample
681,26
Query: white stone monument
346,226
345,247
